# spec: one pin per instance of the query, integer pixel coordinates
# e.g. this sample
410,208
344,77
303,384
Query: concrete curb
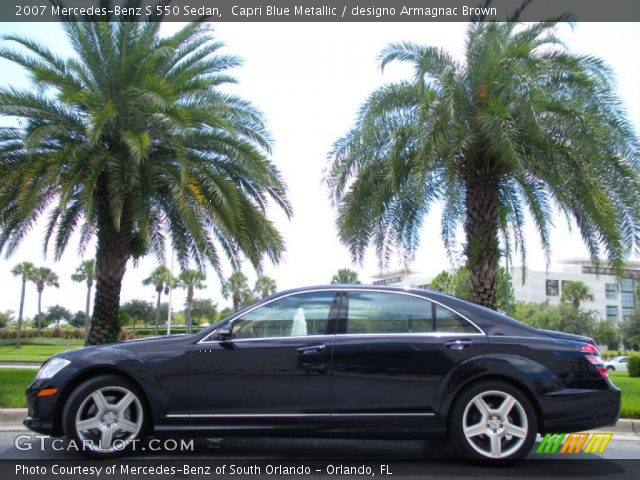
627,426
12,416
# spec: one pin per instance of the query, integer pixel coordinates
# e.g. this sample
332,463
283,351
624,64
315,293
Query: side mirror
225,332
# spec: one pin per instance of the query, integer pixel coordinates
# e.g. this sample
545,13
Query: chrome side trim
426,414
297,415
480,331
352,335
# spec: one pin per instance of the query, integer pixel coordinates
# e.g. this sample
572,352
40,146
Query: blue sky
309,79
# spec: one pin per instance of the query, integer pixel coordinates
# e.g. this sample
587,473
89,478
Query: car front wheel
493,421
104,416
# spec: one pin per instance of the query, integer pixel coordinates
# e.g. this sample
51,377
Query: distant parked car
617,363
335,360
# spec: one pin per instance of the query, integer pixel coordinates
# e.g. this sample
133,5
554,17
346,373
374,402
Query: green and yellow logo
575,442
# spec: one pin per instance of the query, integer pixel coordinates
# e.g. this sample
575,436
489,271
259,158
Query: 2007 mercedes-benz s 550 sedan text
337,361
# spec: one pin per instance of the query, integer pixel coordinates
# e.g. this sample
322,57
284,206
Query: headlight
52,367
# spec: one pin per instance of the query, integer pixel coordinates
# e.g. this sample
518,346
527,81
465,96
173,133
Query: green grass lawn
31,353
14,381
630,393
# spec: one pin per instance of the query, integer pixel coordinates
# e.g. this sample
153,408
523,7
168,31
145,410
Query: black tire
489,430
611,369
112,388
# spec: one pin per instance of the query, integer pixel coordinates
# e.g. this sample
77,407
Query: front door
275,365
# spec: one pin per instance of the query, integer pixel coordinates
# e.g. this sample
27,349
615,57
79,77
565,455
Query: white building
613,299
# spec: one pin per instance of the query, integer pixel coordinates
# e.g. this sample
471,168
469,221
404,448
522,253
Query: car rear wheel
493,421
104,416
611,368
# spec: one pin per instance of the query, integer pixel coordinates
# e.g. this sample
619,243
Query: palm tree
190,280
575,293
24,270
43,277
162,280
86,272
346,276
520,124
237,288
265,286
130,142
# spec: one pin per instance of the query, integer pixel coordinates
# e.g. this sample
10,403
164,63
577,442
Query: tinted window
377,312
296,315
450,322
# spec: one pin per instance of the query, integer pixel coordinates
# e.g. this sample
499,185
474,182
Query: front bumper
41,413
573,410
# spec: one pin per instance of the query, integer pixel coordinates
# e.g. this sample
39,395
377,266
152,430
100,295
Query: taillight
592,354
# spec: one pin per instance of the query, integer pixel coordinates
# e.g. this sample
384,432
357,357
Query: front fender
119,361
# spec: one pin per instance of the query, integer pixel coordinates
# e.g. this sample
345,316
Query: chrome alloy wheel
495,424
109,419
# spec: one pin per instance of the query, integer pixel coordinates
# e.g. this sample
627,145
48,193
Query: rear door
391,352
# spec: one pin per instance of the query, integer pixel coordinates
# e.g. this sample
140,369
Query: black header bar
319,11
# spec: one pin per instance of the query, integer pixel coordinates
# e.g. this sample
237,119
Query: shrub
149,331
126,335
634,365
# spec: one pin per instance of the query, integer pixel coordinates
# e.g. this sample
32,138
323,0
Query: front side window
293,316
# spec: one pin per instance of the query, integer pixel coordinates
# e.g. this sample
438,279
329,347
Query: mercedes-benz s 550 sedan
337,361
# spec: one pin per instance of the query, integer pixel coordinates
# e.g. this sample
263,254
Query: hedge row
607,354
46,333
146,331
125,334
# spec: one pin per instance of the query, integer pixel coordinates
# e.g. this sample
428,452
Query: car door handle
310,349
458,344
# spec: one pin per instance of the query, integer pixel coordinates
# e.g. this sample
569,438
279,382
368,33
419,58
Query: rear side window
380,312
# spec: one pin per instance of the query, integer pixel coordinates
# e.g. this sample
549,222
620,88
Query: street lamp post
170,295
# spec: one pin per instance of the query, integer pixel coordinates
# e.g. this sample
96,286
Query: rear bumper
573,410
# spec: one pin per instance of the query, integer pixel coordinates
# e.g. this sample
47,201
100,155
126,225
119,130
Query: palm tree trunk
38,321
189,307
111,262
236,301
22,294
87,318
158,311
481,228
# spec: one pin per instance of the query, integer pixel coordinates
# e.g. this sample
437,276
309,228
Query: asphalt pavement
410,458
